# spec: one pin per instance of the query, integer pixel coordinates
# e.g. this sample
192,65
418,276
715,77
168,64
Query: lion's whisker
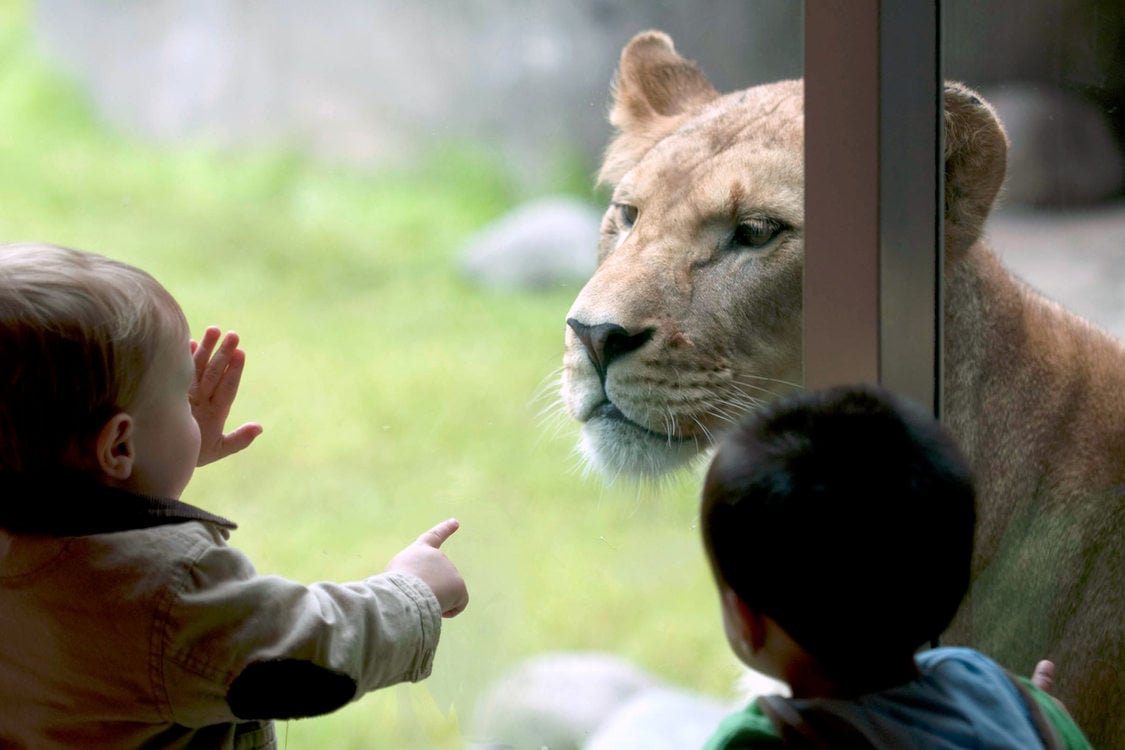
775,380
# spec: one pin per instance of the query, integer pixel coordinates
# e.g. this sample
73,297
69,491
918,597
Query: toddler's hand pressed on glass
425,559
217,374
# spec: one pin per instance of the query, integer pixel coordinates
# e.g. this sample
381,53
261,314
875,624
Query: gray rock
555,701
660,719
544,243
596,701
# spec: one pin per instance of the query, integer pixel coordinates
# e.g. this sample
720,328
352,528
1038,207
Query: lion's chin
619,448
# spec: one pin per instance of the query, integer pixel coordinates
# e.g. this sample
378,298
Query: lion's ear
653,89
653,82
976,153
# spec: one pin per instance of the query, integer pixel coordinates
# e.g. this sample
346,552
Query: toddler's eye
627,213
755,233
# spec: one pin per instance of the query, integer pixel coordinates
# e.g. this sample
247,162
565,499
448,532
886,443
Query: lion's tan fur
1035,395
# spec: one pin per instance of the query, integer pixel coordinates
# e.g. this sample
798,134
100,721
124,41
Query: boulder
1063,150
544,243
555,700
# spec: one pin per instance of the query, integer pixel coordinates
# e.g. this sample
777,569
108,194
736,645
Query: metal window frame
873,195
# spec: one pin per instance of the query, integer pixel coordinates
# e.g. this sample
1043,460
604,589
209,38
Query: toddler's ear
115,447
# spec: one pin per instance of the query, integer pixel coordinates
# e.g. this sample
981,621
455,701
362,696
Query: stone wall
377,81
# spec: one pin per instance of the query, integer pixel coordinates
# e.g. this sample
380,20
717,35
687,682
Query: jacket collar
77,506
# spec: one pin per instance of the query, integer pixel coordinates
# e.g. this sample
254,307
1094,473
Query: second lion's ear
653,89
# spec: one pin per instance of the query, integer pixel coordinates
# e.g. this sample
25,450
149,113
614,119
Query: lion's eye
755,233
628,214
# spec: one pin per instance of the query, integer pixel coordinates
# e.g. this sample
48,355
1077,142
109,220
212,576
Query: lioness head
693,316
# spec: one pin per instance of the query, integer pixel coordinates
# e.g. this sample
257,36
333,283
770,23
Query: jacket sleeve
237,646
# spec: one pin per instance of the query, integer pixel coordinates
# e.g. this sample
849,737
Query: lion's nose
606,342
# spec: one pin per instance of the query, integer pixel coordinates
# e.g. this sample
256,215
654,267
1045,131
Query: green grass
393,395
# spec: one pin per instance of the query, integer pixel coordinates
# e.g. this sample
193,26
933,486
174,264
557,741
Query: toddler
839,528
126,620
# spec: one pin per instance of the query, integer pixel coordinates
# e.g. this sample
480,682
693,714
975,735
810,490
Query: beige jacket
145,629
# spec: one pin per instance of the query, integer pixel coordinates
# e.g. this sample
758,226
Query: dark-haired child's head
846,516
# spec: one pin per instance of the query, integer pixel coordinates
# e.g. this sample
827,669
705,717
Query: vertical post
873,195
841,192
911,197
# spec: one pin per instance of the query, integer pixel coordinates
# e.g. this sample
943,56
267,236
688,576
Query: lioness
694,316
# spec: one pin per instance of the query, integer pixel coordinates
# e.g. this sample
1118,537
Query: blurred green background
393,395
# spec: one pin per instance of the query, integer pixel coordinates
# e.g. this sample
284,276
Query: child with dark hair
839,528
126,620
